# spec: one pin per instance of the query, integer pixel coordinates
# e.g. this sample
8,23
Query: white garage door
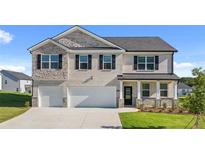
92,96
51,96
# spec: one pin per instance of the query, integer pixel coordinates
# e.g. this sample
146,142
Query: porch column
121,99
157,101
121,89
139,90
175,90
158,90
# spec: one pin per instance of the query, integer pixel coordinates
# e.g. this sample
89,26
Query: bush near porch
147,120
13,104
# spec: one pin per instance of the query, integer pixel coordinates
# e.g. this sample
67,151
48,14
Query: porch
149,92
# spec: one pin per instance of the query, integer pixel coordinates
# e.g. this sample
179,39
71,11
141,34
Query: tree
195,102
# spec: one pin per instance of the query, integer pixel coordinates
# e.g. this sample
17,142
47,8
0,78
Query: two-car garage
52,96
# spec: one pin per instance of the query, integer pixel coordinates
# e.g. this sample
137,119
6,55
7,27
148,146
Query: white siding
165,62
11,84
0,81
24,83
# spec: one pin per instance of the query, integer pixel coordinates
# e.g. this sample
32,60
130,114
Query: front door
128,95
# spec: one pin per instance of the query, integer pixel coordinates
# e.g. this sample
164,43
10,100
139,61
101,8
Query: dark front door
128,95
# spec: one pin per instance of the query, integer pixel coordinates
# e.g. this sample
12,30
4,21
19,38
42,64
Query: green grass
12,104
146,120
7,113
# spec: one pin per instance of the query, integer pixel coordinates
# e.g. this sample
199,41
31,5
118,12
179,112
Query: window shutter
38,61
101,62
135,62
113,61
89,61
156,62
60,61
76,62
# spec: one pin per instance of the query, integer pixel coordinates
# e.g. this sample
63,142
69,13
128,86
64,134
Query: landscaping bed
148,120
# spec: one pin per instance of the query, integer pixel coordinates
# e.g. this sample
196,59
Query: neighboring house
15,81
183,89
77,68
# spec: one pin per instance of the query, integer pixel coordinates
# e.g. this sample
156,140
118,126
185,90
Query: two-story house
78,68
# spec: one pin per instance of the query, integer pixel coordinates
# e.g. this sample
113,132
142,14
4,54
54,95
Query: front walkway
61,118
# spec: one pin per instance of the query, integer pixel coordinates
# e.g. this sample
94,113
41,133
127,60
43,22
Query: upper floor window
145,62
5,82
54,61
45,61
83,62
50,61
107,62
163,89
145,90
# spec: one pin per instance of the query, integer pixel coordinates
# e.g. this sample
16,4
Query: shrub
27,104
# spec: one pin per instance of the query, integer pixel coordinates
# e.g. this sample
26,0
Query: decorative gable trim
86,32
44,42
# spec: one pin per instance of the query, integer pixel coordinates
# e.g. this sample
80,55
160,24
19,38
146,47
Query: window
150,63
163,90
145,90
83,62
50,61
145,63
54,61
107,62
45,61
5,82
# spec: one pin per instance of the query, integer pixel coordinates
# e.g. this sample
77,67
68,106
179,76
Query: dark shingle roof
183,86
147,76
15,75
141,43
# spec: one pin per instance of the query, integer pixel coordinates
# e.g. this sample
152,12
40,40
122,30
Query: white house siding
0,81
165,62
95,76
11,84
24,83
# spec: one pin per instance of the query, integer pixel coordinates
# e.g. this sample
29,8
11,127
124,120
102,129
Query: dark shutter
38,61
60,61
113,61
76,62
156,62
135,62
101,62
89,61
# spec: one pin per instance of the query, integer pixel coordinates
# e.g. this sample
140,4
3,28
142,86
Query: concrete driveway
45,118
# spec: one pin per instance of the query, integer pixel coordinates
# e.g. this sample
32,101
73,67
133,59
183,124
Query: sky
188,40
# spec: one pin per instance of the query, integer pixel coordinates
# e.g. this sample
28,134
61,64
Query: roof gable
15,75
78,37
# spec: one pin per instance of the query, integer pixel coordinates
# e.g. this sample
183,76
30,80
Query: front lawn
10,112
145,120
12,104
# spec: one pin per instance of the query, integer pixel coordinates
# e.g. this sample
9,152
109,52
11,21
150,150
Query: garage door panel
51,96
92,96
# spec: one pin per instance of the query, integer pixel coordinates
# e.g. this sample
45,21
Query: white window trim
49,61
107,63
83,62
164,89
145,63
145,89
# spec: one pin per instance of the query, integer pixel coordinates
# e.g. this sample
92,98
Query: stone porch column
158,101
139,99
121,100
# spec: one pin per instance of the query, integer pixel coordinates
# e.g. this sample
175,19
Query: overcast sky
188,40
